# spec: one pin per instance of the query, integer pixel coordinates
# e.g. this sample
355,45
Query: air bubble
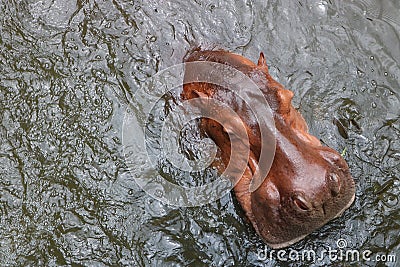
373,104
371,57
391,200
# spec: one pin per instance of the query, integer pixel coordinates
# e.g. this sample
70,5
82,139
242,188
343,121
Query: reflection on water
68,68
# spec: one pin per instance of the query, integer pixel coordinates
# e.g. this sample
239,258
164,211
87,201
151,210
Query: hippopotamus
308,183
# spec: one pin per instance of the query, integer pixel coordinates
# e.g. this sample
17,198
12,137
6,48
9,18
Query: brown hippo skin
308,184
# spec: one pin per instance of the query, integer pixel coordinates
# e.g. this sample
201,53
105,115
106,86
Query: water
68,70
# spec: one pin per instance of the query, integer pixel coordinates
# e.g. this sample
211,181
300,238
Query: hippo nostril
301,203
334,183
334,178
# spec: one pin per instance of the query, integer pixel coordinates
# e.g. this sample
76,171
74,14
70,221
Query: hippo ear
261,61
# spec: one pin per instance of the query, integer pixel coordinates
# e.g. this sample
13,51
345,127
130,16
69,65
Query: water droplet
385,73
371,57
360,73
373,105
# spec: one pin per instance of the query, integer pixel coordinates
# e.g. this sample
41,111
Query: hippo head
308,184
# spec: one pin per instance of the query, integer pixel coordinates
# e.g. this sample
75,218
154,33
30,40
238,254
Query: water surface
69,68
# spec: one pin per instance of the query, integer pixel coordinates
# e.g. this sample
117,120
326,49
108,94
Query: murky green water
68,69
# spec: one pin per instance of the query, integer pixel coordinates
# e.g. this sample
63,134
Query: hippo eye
334,182
301,203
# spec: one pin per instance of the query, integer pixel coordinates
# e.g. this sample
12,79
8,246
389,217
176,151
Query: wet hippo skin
308,184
